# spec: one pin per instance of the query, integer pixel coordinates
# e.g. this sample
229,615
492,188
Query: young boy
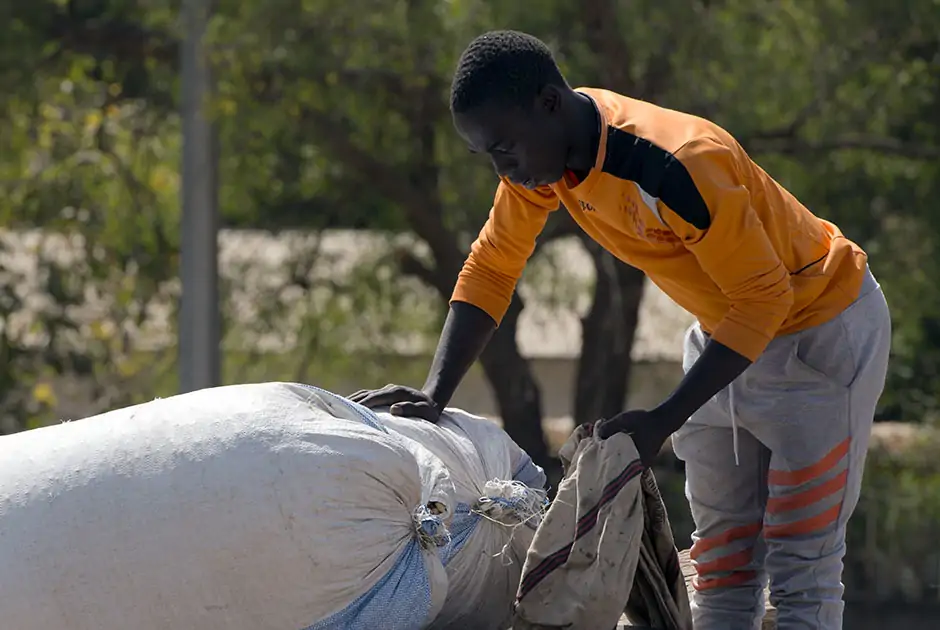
784,366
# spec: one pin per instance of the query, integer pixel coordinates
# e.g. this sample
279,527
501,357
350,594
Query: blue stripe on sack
465,522
401,600
367,415
529,473
462,527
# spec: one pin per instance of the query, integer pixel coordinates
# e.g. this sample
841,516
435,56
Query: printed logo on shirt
633,211
661,236
649,234
585,206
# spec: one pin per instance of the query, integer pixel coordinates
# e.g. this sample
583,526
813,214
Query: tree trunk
608,329
508,372
607,333
517,393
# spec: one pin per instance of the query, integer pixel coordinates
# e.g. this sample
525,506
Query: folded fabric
604,548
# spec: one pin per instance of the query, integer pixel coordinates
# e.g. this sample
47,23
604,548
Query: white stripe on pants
804,412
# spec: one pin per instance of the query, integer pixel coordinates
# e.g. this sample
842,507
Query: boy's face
526,145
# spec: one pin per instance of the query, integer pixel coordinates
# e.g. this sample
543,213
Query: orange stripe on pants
776,505
735,579
805,526
804,475
727,563
729,536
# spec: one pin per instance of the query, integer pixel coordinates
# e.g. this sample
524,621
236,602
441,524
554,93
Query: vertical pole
199,335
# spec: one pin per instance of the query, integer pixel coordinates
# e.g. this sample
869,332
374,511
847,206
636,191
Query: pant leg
727,504
811,401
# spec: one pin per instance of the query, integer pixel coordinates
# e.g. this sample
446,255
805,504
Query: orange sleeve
500,252
709,207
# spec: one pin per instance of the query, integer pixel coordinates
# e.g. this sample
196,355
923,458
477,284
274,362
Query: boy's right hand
401,401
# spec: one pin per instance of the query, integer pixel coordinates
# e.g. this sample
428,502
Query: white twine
429,528
510,504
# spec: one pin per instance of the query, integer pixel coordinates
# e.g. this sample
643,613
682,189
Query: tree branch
365,166
419,206
599,21
115,36
560,225
883,145
418,198
410,265
829,84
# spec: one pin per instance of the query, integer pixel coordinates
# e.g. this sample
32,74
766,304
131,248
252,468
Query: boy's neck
584,123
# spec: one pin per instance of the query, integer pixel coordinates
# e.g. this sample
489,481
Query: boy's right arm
466,332
481,297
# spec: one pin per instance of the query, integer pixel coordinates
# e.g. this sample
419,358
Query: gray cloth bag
605,547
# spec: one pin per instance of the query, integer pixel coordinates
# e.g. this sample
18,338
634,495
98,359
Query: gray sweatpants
774,467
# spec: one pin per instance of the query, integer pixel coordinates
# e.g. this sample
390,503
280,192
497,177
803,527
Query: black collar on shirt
573,178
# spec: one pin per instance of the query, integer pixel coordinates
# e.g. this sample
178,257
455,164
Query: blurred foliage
893,537
334,114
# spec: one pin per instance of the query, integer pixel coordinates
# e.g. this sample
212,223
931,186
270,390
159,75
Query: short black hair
507,67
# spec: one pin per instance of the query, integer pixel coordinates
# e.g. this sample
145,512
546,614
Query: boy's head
507,99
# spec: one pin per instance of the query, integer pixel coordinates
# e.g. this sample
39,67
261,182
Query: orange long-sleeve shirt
676,196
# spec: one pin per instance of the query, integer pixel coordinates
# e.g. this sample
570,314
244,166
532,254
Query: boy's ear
549,99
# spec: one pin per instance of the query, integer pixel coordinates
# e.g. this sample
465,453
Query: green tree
335,114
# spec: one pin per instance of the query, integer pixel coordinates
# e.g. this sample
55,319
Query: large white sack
500,499
250,507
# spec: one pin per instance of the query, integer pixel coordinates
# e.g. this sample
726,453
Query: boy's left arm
709,208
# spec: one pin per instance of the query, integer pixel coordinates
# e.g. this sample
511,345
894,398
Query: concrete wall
649,383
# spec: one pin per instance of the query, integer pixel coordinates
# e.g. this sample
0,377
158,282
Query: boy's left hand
648,429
